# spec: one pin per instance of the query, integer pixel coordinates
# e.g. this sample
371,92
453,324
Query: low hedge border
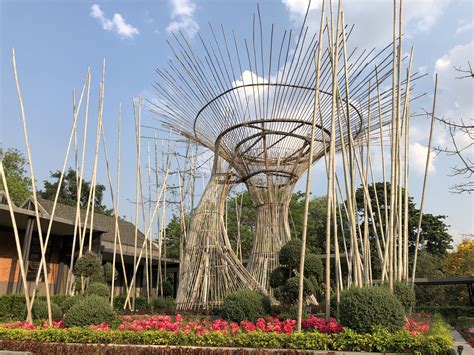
449,313
379,340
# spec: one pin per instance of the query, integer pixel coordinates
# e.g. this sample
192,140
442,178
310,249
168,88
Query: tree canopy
68,191
15,166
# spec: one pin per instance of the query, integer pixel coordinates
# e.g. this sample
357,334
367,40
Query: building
59,249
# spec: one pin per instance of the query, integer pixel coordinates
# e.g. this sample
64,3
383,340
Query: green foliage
108,271
89,264
467,322
68,191
168,288
260,340
141,304
70,301
12,308
245,305
313,266
405,294
15,166
449,313
279,276
40,310
91,310
309,341
289,292
290,312
290,254
162,304
99,289
363,308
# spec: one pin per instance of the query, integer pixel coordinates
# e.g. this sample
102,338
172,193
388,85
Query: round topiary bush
245,305
278,276
289,292
99,289
88,265
70,301
290,254
363,308
313,266
108,271
168,288
405,294
40,310
91,310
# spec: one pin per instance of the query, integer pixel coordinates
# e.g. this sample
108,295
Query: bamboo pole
33,185
29,317
415,258
308,173
117,202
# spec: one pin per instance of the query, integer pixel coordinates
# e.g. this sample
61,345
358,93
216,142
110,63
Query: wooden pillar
26,249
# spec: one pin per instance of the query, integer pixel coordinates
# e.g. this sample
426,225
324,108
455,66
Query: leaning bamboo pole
77,220
308,174
427,165
58,190
21,262
33,186
116,208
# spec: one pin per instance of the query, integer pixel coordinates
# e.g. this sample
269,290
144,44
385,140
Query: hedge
379,340
449,313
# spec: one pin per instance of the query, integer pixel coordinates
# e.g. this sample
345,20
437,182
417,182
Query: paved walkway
459,340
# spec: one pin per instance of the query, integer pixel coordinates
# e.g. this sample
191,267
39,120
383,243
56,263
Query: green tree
68,191
434,236
15,166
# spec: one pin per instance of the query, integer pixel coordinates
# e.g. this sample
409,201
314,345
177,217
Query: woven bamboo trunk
210,269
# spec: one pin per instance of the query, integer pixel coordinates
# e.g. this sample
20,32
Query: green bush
405,294
88,265
91,310
449,313
290,254
162,304
141,304
108,271
361,309
12,308
245,305
70,301
168,288
99,289
465,322
279,276
289,292
40,310
313,266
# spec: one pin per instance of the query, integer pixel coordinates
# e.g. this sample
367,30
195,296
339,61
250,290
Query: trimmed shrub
290,253
313,266
290,313
70,301
245,305
12,308
168,288
91,310
278,276
449,313
361,309
108,270
289,292
404,294
99,289
40,310
88,265
162,304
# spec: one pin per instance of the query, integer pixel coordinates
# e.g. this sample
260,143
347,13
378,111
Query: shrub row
449,313
379,340
13,307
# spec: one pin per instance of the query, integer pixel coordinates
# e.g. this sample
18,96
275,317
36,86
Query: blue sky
55,42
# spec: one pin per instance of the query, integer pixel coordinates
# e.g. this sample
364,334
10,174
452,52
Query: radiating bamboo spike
308,173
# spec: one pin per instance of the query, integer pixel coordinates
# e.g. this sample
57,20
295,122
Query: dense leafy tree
15,165
68,191
461,261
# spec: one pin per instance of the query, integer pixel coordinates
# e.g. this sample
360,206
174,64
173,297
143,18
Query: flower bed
265,333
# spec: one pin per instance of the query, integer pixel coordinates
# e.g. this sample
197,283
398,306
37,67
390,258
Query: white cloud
454,94
418,154
182,14
418,16
116,24
465,27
